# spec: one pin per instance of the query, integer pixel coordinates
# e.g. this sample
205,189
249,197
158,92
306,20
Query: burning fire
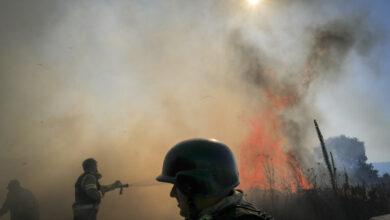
264,164
264,161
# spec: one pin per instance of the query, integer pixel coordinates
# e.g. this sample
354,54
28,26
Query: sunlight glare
253,2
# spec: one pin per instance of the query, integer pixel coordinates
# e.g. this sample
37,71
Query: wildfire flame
264,164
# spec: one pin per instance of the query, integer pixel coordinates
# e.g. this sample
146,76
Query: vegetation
351,202
333,195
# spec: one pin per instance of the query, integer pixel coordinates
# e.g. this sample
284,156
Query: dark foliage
352,202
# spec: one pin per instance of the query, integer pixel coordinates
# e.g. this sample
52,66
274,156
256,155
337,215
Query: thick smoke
285,70
123,81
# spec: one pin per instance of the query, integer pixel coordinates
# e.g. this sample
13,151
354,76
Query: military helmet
200,168
89,164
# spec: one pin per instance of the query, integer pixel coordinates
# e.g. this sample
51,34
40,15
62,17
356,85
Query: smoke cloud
124,81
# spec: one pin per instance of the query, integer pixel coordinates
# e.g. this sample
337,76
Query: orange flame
264,164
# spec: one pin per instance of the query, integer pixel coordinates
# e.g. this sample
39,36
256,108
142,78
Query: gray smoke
291,63
123,81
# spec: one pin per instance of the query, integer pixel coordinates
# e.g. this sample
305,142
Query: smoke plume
123,81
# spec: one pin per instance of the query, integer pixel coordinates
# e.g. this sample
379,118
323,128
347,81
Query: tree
350,155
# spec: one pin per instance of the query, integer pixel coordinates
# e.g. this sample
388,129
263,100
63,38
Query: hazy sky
358,105
122,81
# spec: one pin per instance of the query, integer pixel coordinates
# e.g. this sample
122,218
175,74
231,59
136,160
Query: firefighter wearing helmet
89,192
204,175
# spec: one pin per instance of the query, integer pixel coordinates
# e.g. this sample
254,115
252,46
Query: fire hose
138,184
123,186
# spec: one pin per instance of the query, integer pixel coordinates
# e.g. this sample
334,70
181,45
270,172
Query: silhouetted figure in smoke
21,203
204,175
89,192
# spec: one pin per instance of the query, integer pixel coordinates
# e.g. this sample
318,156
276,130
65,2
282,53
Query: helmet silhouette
200,168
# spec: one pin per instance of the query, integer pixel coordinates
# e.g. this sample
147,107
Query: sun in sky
253,2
